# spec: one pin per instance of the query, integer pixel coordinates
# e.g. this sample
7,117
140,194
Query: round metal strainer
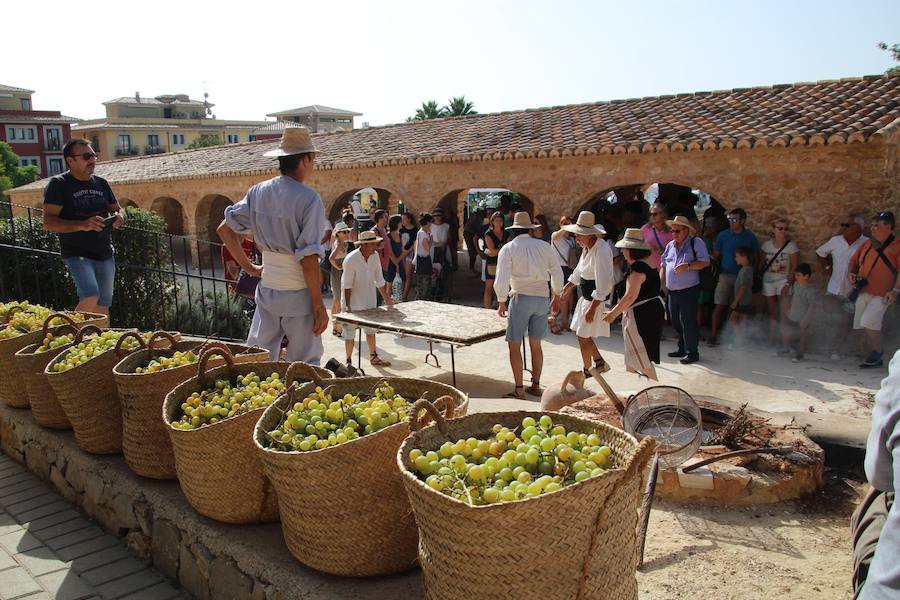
671,416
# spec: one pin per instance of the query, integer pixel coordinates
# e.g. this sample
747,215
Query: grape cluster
228,399
52,342
538,458
94,346
319,421
32,319
162,363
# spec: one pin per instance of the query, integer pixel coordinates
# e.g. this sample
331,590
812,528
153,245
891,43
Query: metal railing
163,281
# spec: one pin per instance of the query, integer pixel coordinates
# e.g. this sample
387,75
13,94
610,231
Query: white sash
282,272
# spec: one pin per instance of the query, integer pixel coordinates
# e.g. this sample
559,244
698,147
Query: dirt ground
799,550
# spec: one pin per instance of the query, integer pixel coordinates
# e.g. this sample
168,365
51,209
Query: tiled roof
9,88
143,100
315,108
827,112
37,119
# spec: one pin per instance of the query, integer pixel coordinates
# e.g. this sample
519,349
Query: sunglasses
679,230
781,228
733,219
85,156
845,224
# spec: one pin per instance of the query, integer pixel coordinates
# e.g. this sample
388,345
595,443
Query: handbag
758,277
709,276
246,285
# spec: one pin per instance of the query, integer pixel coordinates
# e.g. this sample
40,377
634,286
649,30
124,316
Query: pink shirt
658,241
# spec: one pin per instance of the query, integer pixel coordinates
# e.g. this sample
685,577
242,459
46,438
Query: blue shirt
726,243
693,249
287,217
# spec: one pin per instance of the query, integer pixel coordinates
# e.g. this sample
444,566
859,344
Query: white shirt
562,246
440,233
363,278
524,265
841,252
423,238
597,264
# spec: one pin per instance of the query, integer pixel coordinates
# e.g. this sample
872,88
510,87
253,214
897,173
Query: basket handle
162,335
207,354
61,316
119,351
83,331
12,310
301,370
65,327
415,424
211,344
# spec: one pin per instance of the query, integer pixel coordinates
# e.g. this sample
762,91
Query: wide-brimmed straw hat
585,225
438,212
341,226
294,140
633,239
682,221
367,237
522,220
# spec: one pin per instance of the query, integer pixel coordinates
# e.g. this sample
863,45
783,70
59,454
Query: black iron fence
163,281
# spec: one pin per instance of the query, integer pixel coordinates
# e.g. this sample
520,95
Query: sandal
337,332
377,361
535,388
516,394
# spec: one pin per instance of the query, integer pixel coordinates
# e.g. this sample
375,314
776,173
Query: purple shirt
694,249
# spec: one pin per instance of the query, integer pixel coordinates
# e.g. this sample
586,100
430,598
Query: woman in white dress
593,279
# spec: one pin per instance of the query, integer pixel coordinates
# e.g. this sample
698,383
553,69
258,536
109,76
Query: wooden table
450,324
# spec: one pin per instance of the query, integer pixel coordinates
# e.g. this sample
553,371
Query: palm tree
428,110
459,106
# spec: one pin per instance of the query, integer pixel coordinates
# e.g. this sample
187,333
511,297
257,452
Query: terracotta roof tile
779,115
9,88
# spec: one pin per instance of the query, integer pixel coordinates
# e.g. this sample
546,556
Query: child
803,297
743,291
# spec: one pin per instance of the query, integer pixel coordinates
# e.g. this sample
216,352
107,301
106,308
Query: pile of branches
736,429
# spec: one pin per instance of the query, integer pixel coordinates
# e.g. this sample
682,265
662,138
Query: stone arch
207,217
386,199
172,212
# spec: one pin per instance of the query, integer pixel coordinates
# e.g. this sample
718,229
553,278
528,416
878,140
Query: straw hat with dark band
634,240
585,225
682,221
367,237
294,140
522,221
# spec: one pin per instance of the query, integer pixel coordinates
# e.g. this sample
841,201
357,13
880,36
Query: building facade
318,118
36,136
145,126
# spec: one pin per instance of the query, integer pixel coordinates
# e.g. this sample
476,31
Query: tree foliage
458,106
895,54
428,110
11,174
205,141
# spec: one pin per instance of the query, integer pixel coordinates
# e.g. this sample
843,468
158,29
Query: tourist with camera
874,273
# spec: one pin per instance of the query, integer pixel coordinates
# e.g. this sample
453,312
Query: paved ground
49,550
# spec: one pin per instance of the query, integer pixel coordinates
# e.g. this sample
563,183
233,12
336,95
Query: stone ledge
210,560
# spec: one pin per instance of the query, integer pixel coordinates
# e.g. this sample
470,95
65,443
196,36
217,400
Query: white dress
596,264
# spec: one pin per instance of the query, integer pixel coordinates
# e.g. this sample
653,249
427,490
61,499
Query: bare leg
348,348
515,361
772,305
802,347
874,339
370,342
489,293
537,359
589,352
90,305
407,283
717,319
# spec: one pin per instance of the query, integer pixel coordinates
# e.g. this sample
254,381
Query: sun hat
438,212
585,225
522,220
682,221
367,237
633,239
341,226
294,140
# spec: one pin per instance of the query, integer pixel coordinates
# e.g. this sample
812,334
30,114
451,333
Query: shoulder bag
709,275
758,277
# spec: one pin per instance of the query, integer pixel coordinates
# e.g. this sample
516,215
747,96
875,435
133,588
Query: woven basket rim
50,373
411,477
78,324
259,431
29,349
193,383
133,356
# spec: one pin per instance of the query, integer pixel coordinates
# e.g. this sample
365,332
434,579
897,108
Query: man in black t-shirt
82,209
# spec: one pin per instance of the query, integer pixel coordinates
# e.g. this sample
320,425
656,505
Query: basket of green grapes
497,496
31,362
143,378
82,379
330,452
210,420
26,326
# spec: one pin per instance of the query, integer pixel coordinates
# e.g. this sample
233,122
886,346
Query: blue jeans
683,312
93,278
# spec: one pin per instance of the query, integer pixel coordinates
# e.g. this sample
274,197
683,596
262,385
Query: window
153,139
344,120
177,139
26,103
24,161
95,142
232,138
252,138
55,165
123,146
21,134
54,137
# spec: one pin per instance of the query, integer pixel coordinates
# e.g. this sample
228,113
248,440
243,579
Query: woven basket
89,398
343,508
145,437
10,386
45,407
576,543
218,469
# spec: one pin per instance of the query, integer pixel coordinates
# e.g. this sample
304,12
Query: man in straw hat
286,219
361,283
594,279
682,260
524,266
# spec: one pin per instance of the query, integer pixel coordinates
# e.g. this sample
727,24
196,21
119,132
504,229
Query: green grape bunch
94,346
52,342
540,458
32,319
319,421
178,359
228,399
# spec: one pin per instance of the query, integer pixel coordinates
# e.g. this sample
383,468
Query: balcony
125,151
153,149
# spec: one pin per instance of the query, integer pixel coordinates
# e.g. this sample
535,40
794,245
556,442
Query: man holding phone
82,209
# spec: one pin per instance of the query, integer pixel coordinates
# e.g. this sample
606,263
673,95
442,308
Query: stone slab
129,584
73,537
100,558
88,547
160,591
16,582
41,561
74,524
19,541
66,585
121,568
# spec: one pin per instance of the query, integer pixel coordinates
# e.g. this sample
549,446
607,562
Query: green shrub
213,314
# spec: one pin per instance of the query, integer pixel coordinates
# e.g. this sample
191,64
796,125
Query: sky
383,59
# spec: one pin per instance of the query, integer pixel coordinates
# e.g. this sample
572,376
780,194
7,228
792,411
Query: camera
858,286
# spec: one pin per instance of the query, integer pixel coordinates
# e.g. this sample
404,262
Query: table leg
431,354
453,365
359,349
